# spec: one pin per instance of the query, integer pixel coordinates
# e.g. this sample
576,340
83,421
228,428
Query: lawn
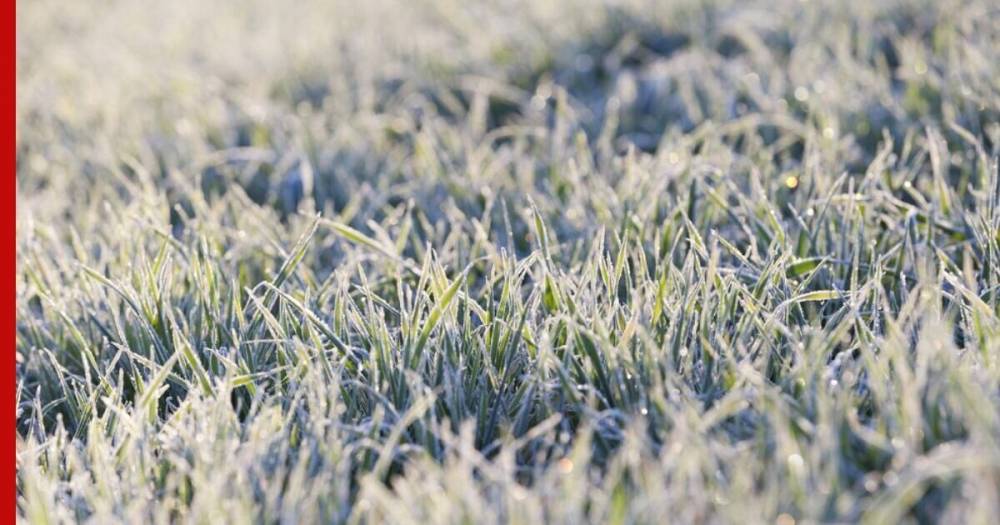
441,261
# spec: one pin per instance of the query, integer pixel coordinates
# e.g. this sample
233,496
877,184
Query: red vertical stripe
10,232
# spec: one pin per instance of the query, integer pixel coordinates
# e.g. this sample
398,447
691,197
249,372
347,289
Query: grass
446,262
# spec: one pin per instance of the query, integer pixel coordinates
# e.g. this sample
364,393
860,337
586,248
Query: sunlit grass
442,262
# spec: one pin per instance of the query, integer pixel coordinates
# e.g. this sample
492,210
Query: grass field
508,262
